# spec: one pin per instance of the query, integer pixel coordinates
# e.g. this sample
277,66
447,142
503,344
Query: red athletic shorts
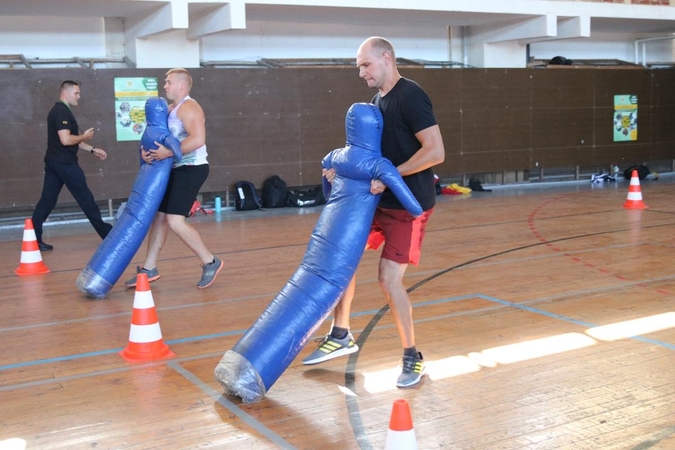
401,233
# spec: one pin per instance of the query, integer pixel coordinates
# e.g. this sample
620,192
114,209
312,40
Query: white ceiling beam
574,27
170,17
568,28
522,30
231,16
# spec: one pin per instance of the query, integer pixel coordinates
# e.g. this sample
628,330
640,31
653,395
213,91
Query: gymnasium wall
283,121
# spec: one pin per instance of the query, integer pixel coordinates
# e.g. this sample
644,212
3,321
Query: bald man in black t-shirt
411,140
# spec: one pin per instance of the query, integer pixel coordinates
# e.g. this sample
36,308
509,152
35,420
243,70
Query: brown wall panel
625,155
563,156
562,127
490,130
664,123
452,164
444,87
496,89
517,159
22,155
661,151
495,161
283,121
562,89
311,173
663,88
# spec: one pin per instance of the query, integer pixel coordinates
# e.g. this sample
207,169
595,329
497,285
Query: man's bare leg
156,239
190,236
390,278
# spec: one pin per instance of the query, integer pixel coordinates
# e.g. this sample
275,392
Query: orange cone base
151,351
38,268
635,204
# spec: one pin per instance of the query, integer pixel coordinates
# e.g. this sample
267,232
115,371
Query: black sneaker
413,369
44,247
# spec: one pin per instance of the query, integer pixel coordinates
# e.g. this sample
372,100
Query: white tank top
195,157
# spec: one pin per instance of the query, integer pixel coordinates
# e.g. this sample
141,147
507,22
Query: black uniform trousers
72,175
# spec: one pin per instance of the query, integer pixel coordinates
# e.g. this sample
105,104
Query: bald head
379,46
376,61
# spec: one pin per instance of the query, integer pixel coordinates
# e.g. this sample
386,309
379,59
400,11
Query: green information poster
625,117
130,97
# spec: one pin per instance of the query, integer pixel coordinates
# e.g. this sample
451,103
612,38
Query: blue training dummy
335,248
115,252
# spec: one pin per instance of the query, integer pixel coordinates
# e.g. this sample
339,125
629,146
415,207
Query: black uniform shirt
61,118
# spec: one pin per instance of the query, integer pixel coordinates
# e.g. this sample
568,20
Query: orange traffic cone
400,435
634,200
31,258
145,336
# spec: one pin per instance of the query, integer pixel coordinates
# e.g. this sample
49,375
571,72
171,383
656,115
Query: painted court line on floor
358,314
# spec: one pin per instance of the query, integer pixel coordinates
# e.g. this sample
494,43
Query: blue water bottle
218,205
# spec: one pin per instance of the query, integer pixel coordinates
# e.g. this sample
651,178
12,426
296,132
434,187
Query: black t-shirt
61,118
406,110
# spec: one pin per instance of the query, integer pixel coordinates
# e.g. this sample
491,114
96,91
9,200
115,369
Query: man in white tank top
187,123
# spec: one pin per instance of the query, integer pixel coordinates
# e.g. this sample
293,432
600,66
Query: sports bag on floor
274,192
642,171
245,196
306,197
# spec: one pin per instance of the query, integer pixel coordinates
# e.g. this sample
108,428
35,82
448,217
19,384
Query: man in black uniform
61,167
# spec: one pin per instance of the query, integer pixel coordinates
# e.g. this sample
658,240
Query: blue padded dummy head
157,129
156,112
363,126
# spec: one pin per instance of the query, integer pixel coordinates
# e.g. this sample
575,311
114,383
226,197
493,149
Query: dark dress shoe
45,247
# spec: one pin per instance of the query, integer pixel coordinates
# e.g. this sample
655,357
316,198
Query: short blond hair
182,73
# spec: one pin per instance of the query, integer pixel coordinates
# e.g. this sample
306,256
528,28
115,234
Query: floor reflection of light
453,366
13,444
385,380
537,348
482,360
633,327
381,380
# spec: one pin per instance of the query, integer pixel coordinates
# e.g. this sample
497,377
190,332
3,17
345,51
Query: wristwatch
92,150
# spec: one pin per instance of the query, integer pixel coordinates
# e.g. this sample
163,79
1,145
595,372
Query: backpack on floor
642,171
475,185
306,197
274,192
245,196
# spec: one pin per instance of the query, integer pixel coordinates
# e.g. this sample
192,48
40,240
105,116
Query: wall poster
625,118
130,96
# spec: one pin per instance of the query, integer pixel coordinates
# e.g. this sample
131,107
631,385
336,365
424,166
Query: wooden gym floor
546,316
